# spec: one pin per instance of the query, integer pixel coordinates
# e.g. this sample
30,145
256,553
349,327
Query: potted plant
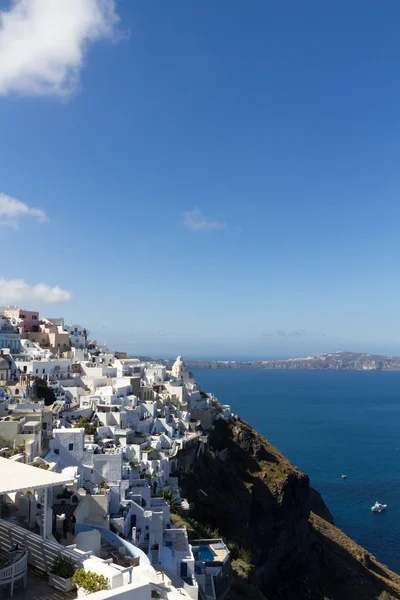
62,573
89,582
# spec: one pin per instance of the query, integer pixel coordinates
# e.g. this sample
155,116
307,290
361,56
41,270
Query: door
184,570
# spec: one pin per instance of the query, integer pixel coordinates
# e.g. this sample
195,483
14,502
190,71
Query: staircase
154,556
145,546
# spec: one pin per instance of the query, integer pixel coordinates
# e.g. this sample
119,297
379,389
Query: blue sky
215,178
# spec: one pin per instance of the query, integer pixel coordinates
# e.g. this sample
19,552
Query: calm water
328,423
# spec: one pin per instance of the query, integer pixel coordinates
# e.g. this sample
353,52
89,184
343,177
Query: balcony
37,588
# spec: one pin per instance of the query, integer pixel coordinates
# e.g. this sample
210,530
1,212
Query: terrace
210,551
177,540
37,588
41,557
18,477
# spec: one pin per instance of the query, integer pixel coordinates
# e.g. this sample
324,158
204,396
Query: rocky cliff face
283,542
337,361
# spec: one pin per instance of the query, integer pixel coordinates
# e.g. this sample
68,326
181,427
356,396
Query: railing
41,553
15,570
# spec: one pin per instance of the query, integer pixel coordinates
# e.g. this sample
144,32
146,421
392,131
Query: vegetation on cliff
280,533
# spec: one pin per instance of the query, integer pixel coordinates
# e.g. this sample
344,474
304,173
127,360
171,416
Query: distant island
337,361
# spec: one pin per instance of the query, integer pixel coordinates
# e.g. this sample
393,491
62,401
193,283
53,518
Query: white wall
107,467
113,575
134,591
62,440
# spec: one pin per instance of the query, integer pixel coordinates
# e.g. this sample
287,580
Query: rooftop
16,477
176,538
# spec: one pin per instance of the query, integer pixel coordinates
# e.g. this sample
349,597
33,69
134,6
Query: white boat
377,507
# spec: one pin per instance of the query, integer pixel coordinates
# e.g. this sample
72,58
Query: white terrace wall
41,553
135,591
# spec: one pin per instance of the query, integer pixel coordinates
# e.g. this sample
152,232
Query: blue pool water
330,423
205,554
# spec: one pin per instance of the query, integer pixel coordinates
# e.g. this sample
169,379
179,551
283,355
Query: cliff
280,533
337,361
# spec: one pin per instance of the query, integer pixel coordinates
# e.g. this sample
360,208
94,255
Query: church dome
178,367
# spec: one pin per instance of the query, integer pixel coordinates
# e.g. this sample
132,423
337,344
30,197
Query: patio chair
16,568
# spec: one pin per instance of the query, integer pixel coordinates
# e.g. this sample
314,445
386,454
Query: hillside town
92,447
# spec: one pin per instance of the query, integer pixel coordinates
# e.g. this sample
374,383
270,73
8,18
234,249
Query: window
70,447
37,371
56,451
64,345
58,345
43,370
22,316
34,318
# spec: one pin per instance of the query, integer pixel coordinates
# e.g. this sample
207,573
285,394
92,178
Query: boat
377,507
344,476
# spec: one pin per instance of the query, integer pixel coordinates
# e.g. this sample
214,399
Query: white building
45,368
76,336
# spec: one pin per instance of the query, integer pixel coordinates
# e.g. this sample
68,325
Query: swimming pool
205,554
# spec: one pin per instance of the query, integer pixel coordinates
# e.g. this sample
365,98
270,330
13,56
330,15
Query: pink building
29,320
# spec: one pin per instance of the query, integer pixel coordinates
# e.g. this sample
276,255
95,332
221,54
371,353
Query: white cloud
43,43
17,291
196,221
12,210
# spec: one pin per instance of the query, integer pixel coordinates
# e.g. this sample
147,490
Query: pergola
18,477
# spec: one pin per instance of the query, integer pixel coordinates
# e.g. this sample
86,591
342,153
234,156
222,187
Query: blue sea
330,423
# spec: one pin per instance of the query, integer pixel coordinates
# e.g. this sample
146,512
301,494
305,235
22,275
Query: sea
329,424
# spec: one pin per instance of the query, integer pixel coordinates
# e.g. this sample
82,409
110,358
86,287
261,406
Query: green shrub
89,581
242,569
233,549
63,567
210,533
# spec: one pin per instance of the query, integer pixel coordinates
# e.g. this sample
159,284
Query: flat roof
18,477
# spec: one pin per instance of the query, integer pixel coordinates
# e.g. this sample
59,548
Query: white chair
14,570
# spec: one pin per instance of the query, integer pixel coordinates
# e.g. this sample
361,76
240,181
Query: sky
212,179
